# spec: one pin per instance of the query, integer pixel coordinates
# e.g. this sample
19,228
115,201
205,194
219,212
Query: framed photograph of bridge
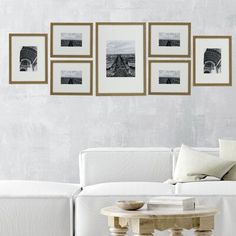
169,39
28,58
71,39
71,77
212,65
169,77
120,59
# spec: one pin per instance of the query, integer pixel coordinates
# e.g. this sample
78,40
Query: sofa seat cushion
21,188
207,188
128,189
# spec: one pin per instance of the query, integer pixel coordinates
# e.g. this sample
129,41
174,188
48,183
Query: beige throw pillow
193,165
228,152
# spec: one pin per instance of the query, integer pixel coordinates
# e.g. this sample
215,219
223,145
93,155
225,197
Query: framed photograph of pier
71,39
71,77
212,61
120,58
169,77
28,58
169,39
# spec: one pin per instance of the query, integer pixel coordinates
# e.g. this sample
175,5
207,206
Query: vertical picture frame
28,58
120,59
212,60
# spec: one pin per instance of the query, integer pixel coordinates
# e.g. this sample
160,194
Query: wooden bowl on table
130,205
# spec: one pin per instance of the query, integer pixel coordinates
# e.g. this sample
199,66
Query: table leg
176,232
142,227
117,226
203,232
121,231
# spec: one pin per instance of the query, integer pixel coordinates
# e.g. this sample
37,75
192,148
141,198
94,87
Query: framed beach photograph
71,39
71,77
28,58
212,65
120,58
169,39
169,77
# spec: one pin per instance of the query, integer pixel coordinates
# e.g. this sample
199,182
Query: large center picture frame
120,59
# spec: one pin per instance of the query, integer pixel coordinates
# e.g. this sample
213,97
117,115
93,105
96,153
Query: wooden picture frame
123,43
71,39
28,58
175,73
212,60
169,39
67,73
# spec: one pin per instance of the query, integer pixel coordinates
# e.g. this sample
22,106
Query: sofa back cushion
99,165
228,152
193,165
211,151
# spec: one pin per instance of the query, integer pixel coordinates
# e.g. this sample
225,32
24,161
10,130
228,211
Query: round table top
157,214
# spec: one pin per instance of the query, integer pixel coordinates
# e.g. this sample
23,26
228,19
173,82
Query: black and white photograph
169,77
28,58
71,77
212,61
169,39
71,39
120,58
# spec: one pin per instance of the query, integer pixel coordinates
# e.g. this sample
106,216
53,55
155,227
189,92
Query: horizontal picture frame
169,39
28,58
71,39
71,77
120,59
169,77
212,60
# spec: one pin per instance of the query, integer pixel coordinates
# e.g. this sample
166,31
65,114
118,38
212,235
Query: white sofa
33,208
111,174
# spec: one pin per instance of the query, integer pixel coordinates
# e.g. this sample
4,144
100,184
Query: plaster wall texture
41,135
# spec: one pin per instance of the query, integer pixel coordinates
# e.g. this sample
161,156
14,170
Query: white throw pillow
228,152
193,165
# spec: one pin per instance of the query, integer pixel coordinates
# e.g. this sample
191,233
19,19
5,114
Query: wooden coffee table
143,222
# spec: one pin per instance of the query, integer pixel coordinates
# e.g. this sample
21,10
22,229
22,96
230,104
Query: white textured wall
41,135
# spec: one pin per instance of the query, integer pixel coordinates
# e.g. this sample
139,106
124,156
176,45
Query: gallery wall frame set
212,60
120,58
28,58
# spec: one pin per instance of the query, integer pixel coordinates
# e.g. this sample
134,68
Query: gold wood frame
194,60
144,59
188,24
169,61
72,61
11,35
72,24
